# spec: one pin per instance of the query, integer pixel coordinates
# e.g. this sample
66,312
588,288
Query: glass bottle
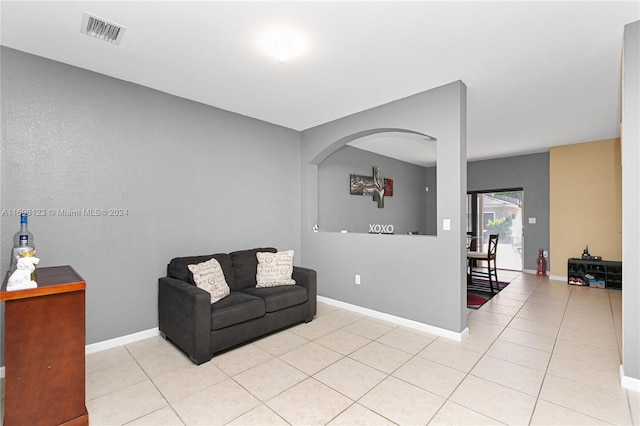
542,263
22,241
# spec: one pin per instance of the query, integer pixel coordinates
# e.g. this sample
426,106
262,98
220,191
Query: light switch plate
446,224
532,220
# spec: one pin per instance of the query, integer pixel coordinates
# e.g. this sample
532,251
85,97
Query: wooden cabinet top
51,280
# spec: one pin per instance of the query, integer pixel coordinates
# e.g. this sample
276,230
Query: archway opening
379,181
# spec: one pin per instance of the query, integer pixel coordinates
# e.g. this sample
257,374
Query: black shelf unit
607,272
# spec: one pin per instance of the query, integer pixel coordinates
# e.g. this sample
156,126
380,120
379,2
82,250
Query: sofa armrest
307,278
184,316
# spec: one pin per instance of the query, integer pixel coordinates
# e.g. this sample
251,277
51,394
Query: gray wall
189,175
421,279
431,216
631,203
406,210
530,172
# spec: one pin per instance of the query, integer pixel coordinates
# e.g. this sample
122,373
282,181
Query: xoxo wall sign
380,229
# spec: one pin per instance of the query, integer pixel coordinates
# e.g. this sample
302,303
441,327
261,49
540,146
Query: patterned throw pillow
274,269
209,277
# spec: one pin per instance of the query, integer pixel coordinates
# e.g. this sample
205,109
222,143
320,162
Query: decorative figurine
22,277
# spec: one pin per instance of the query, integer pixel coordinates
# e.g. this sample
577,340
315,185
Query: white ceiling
538,74
405,146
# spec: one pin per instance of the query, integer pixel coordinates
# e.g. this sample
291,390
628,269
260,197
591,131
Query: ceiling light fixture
282,50
284,45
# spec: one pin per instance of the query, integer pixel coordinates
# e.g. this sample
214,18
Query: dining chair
476,257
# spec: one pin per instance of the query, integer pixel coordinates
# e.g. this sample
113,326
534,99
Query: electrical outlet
357,279
545,253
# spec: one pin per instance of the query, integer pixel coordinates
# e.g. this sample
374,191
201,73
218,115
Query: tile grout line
575,305
555,341
308,376
571,293
397,378
467,374
446,399
156,387
355,401
387,375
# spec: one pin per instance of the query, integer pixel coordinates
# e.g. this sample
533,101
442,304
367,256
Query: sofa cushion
178,267
245,266
236,308
274,269
277,298
209,277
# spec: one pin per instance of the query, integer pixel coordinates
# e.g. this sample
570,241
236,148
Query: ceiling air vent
102,29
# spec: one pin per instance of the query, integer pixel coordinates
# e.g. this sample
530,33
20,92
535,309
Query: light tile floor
540,352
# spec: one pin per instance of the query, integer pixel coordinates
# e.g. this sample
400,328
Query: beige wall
585,202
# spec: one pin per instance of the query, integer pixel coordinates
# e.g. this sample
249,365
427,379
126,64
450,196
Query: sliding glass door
497,212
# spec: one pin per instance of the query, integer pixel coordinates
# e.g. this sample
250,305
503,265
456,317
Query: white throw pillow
274,269
209,276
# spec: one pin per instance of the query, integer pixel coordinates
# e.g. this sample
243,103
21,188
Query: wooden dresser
45,350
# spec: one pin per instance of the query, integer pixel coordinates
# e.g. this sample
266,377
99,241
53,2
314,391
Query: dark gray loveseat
202,329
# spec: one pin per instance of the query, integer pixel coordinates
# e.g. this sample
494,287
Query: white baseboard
458,337
627,382
551,277
559,278
120,341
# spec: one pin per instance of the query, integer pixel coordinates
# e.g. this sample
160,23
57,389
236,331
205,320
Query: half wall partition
420,280
407,163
